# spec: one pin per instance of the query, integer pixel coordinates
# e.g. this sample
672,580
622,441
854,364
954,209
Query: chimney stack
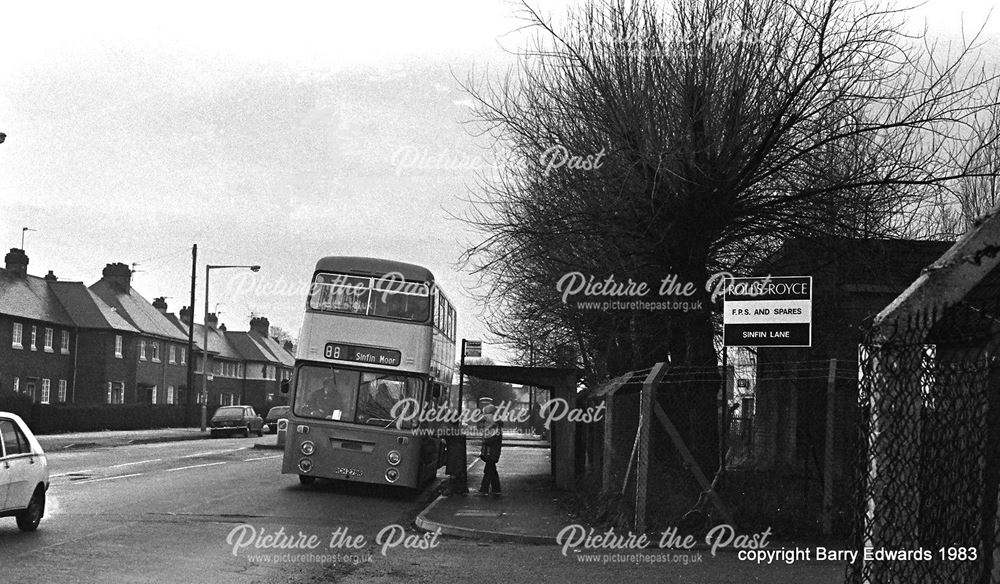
289,347
185,315
261,326
119,275
17,262
51,277
212,320
222,327
160,304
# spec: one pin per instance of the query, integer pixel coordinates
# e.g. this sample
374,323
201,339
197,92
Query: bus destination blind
371,355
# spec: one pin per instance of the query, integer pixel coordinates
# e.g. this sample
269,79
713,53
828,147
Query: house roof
218,342
86,309
247,347
274,348
31,298
137,310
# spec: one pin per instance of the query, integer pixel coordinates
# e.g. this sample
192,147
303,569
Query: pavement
527,512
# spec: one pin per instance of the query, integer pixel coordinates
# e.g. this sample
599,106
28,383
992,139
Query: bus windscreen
347,395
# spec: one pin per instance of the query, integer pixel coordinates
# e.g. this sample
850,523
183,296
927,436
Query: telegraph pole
190,349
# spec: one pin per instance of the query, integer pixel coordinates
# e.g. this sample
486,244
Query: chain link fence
929,459
788,435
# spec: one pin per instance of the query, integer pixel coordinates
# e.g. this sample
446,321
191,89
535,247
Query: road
163,513
219,511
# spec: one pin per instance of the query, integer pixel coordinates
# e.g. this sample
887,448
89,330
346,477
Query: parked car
236,419
273,415
24,473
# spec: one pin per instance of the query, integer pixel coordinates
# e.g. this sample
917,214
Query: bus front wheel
306,479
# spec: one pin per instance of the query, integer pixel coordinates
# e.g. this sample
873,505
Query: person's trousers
491,479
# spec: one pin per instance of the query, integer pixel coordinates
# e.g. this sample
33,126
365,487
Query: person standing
490,453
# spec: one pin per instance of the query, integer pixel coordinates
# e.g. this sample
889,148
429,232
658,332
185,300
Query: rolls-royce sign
770,311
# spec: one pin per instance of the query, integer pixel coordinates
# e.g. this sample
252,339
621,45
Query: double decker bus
376,332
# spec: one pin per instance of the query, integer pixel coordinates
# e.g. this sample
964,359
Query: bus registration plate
351,472
372,355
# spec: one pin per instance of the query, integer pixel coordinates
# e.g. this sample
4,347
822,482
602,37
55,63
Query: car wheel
29,519
306,479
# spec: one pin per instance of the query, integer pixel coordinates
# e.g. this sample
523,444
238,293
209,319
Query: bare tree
722,129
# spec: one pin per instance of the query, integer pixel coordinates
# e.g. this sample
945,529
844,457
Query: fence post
608,454
642,463
831,395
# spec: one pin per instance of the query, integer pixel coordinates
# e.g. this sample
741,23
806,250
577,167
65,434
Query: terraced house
65,342
245,367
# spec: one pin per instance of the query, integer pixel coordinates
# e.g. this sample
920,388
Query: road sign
770,311
473,348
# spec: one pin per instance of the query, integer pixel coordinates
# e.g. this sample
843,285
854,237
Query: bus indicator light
391,475
308,448
393,457
306,465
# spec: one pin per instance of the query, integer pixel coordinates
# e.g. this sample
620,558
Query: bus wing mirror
284,386
436,392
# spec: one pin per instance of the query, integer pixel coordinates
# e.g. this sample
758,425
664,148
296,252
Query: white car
24,473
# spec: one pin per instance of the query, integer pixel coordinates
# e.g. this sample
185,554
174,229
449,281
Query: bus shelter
562,383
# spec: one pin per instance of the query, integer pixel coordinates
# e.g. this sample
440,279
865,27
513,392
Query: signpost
473,348
769,311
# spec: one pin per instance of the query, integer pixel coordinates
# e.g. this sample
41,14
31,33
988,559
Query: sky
265,135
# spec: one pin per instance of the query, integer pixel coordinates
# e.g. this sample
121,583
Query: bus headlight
307,448
391,475
306,465
393,457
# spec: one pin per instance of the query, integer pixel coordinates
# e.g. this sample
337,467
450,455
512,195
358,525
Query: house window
142,350
18,333
173,354
152,395
116,392
46,390
118,346
48,340
34,337
62,391
183,356
170,394
17,385
155,347
64,343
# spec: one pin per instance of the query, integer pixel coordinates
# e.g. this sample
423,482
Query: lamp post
204,346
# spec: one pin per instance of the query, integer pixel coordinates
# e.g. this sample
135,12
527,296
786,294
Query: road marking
131,463
208,453
264,457
195,466
138,474
63,474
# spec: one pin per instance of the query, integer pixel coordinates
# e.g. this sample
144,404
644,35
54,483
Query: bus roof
375,267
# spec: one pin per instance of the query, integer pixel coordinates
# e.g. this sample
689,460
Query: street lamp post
204,346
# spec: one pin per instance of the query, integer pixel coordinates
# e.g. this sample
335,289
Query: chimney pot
119,275
261,326
17,261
